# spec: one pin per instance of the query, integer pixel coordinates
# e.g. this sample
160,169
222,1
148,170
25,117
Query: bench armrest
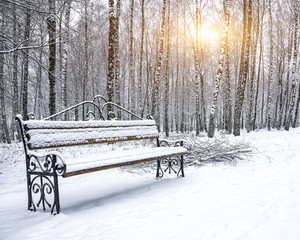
47,162
174,143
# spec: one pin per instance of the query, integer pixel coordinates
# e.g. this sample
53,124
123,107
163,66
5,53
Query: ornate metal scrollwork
90,116
42,172
111,115
177,143
170,165
42,194
149,117
30,116
48,164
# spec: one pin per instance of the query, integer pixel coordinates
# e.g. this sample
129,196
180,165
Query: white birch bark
159,61
211,126
295,11
111,55
131,63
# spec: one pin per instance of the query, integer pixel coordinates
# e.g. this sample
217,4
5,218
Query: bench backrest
40,134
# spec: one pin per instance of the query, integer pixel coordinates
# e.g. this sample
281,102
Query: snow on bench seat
94,132
40,124
119,158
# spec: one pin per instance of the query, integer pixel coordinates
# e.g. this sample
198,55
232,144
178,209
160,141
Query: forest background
196,65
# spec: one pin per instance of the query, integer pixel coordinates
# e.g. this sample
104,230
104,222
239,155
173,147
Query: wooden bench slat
38,124
39,139
120,158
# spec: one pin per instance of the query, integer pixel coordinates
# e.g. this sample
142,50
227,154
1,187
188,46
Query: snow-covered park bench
44,139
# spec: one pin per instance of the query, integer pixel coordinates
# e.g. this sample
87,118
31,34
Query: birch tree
259,65
224,46
117,56
131,63
15,99
65,55
111,54
271,71
183,78
252,71
140,77
159,60
295,12
228,100
197,68
167,74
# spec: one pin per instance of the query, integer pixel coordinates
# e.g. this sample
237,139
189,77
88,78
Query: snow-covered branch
218,149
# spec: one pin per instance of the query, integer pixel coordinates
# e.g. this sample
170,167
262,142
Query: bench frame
42,170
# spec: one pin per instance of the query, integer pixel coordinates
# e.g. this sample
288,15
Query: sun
209,34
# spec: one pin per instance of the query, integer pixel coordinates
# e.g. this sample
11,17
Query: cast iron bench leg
42,184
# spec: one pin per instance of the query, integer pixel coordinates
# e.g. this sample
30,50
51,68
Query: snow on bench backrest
51,134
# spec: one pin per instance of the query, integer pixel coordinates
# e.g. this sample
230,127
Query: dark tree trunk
26,64
244,66
5,133
51,25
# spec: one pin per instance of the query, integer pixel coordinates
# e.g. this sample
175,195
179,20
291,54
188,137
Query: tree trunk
111,54
183,97
117,57
294,63
86,58
167,75
285,100
228,101
271,72
51,25
131,63
159,61
294,124
65,57
259,69
252,74
140,78
5,133
197,69
224,46
15,99
176,85
244,66
26,64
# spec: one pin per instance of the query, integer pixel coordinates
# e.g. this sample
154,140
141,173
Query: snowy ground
256,199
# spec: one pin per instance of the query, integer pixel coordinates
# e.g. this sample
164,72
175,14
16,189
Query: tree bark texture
244,66
111,54
159,61
51,25
224,44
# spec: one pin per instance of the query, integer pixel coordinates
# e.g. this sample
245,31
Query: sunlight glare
209,34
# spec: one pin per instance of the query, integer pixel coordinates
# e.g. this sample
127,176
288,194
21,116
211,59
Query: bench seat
119,158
